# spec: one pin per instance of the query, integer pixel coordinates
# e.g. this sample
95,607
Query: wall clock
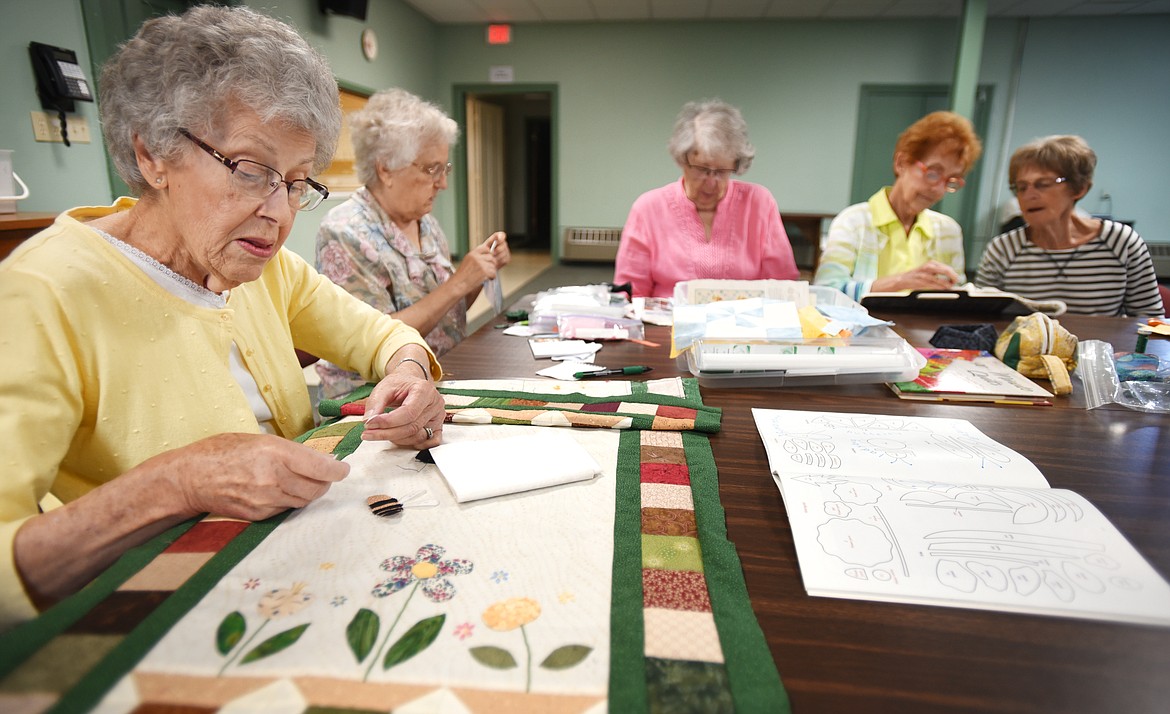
369,44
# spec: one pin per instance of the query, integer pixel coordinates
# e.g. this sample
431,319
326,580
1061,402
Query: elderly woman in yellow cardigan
150,344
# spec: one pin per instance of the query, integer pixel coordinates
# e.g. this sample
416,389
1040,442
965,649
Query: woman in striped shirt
1096,266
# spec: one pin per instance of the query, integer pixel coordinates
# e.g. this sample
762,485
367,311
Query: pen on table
613,372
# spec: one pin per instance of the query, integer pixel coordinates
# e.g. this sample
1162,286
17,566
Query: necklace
1061,265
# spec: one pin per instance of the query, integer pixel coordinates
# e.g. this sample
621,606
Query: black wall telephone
59,80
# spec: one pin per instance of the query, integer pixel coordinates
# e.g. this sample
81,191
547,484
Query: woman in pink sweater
705,225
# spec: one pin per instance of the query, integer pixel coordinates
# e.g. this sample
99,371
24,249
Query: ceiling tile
622,9
797,8
924,8
1104,8
509,10
447,11
483,11
737,10
1043,8
565,10
857,8
679,9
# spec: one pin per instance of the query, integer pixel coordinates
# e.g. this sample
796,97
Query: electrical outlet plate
46,127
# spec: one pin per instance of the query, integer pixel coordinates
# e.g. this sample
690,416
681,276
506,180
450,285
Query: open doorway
510,134
507,180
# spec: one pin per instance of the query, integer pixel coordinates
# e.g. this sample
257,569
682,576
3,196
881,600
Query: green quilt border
627,639
751,670
19,643
96,683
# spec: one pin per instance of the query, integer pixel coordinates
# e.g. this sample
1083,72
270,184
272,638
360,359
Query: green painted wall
798,86
60,177
1108,80
57,177
406,51
621,85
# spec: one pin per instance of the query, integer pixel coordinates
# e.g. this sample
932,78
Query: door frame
459,114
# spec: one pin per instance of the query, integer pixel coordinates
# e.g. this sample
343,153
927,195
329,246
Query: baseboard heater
1160,253
599,245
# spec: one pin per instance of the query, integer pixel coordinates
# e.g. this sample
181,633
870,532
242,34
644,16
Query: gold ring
430,432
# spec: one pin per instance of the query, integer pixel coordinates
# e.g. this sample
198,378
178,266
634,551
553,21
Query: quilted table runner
616,594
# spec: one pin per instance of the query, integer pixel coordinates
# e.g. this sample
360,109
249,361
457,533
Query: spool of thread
1142,339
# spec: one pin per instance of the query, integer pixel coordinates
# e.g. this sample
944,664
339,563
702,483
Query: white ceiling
519,11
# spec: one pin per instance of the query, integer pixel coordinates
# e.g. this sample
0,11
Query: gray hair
1066,155
187,71
713,127
392,128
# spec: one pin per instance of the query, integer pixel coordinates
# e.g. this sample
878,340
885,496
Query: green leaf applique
494,657
362,633
566,656
416,639
230,632
276,643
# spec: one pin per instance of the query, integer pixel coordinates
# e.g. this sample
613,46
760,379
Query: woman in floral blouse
384,246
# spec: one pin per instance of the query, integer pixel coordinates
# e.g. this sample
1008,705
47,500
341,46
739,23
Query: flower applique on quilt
516,613
274,605
427,571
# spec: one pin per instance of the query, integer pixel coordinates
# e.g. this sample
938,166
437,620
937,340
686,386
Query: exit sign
499,34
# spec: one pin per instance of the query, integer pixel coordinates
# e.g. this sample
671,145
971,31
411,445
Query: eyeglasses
256,180
436,171
1040,185
706,172
935,177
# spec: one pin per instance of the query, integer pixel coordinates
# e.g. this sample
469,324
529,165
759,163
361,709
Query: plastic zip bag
1098,372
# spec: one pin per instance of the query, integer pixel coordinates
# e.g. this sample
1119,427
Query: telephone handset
59,80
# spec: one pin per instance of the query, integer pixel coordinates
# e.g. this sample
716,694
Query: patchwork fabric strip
679,408
683,637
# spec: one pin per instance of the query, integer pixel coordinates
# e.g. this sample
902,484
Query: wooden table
15,227
845,655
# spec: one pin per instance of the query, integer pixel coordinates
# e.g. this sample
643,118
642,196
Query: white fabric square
476,469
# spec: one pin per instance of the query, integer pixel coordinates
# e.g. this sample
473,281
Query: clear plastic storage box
879,355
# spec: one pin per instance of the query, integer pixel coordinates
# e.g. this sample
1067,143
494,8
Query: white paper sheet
476,469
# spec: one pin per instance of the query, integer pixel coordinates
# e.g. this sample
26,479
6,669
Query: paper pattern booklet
970,376
931,511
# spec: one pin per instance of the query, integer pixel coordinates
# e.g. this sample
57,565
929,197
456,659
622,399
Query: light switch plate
46,127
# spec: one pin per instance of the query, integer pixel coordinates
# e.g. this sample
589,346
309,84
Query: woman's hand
931,275
417,419
249,476
484,261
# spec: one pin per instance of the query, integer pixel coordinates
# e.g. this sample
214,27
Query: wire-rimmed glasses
1040,185
708,172
437,170
934,177
254,179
